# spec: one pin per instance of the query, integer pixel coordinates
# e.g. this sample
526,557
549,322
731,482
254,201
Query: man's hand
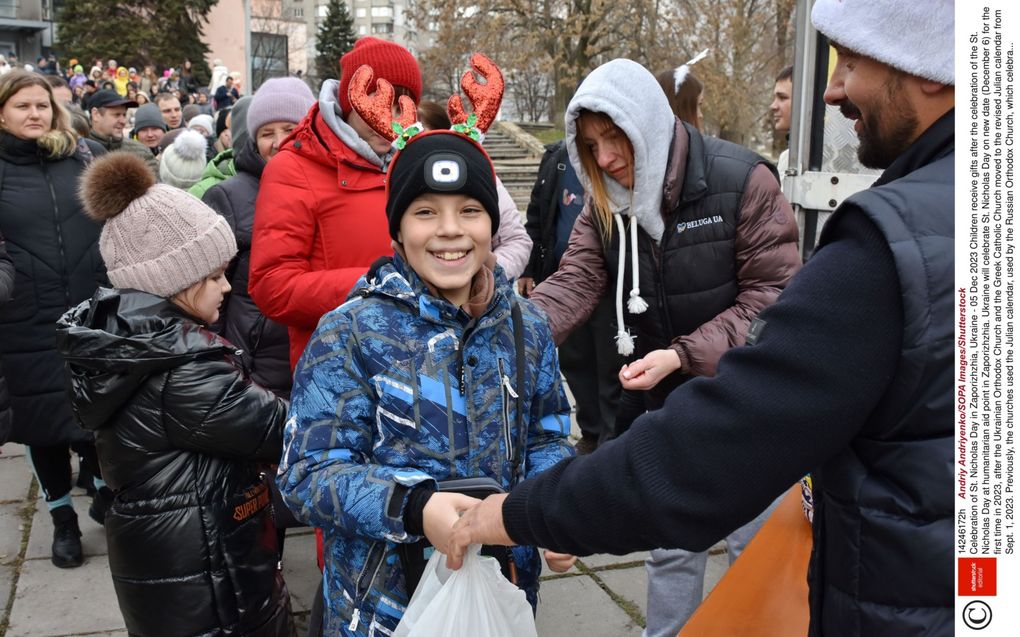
481,524
439,515
525,285
646,372
559,562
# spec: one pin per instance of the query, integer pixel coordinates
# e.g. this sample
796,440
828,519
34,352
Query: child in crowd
180,428
415,380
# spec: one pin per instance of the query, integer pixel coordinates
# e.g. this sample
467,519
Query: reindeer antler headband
377,108
485,99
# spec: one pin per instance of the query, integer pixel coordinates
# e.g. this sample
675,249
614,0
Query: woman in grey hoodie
695,232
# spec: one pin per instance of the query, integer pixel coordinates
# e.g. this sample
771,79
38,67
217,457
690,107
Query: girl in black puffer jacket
180,427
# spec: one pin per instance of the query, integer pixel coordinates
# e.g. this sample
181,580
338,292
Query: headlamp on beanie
445,172
442,162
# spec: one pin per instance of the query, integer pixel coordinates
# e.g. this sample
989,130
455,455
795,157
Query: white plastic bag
476,601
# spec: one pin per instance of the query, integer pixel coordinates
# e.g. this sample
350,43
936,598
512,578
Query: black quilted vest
888,496
692,275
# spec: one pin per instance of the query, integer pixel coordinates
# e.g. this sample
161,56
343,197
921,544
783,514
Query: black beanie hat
444,162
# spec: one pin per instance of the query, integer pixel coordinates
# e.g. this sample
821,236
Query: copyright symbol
977,615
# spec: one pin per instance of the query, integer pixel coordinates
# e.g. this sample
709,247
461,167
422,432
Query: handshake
454,521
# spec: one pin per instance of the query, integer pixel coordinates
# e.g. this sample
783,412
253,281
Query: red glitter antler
485,98
377,109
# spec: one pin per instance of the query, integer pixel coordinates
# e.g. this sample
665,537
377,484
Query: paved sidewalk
604,596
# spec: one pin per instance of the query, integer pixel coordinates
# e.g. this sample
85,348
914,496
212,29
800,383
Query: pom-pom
624,342
636,304
113,181
190,145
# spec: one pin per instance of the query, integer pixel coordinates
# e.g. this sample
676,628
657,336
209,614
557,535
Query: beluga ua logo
697,223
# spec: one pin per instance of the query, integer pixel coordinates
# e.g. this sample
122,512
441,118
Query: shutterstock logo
977,615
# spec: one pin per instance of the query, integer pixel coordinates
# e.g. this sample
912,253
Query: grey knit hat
155,238
281,99
148,116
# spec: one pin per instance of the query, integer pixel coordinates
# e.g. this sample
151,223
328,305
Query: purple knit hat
281,99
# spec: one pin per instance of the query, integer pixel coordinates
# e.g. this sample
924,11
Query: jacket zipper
60,236
361,595
659,254
508,393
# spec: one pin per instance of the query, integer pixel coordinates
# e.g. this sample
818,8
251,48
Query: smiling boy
414,380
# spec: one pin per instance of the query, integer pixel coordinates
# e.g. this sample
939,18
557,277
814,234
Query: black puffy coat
264,341
6,290
55,250
181,431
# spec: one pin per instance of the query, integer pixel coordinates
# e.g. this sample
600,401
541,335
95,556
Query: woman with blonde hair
694,232
54,247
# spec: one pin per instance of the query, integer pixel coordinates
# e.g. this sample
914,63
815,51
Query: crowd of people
249,312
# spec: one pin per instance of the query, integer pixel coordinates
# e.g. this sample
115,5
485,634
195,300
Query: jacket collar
935,143
17,150
249,160
109,143
396,279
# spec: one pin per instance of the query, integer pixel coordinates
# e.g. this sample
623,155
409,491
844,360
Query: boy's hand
559,562
645,373
439,515
482,524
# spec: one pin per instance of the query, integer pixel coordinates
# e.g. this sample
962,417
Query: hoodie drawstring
635,304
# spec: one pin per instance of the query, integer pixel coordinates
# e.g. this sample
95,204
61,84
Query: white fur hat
914,37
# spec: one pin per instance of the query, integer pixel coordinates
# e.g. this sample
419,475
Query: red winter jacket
320,222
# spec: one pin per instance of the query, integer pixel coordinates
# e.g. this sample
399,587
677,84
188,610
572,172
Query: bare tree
563,40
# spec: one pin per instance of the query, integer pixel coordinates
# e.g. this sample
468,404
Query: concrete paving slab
605,559
87,601
15,478
300,570
93,536
11,531
629,583
577,606
6,583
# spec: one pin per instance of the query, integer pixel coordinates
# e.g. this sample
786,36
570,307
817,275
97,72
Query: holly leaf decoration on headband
469,128
404,134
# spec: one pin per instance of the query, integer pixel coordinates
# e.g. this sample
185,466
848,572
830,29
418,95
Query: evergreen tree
158,32
334,38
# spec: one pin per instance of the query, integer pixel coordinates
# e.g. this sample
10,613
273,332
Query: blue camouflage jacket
397,388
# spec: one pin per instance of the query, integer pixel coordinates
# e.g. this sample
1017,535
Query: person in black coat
275,110
6,291
53,246
182,431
